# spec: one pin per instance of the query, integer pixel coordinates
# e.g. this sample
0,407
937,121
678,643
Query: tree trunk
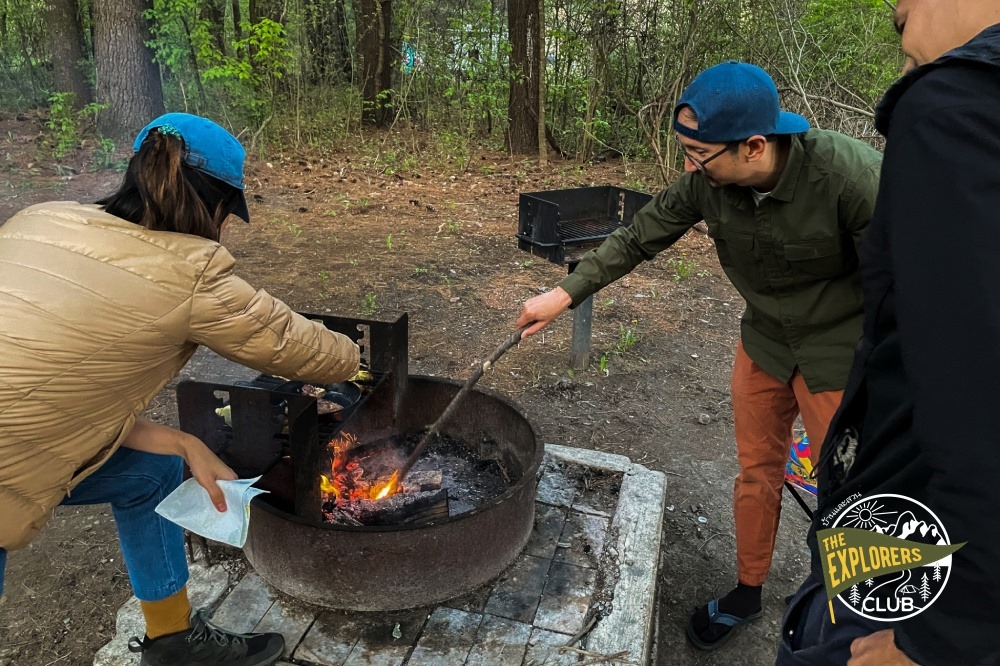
127,78
522,104
215,11
66,44
342,42
390,62
379,58
543,149
237,21
270,9
325,30
263,9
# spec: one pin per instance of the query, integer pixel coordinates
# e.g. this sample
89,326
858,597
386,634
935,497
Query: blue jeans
133,483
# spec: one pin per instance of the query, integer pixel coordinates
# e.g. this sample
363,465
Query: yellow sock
167,616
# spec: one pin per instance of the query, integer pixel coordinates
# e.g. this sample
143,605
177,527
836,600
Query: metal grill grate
582,231
551,223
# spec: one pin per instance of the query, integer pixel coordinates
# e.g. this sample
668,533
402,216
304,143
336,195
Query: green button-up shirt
793,257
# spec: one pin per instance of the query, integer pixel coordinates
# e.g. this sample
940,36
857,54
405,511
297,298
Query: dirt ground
355,232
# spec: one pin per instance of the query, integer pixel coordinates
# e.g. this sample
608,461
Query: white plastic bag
190,507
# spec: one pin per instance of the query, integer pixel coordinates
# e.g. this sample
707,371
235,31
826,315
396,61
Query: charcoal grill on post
563,225
281,436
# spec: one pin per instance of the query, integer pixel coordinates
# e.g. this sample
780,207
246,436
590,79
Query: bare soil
337,231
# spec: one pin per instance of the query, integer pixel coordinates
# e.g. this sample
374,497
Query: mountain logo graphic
894,596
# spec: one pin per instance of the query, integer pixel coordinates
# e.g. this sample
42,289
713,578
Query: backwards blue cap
208,147
735,101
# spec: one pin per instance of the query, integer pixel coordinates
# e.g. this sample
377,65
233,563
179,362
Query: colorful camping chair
799,471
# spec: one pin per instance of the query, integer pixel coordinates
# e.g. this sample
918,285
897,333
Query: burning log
419,500
416,508
371,494
424,480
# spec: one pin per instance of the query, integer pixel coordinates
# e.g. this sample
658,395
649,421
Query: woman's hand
205,466
207,469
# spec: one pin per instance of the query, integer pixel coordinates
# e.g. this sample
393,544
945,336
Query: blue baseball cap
208,147
735,101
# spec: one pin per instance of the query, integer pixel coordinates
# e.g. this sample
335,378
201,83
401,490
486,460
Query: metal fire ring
393,568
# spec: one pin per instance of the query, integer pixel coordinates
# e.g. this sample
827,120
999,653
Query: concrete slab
543,649
500,642
567,597
639,526
519,590
447,638
593,554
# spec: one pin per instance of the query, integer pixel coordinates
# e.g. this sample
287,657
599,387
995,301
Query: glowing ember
346,482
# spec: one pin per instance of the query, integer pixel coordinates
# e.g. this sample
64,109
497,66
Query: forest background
448,76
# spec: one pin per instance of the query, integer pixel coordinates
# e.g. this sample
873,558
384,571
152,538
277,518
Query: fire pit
293,545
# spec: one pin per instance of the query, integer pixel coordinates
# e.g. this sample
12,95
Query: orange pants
764,410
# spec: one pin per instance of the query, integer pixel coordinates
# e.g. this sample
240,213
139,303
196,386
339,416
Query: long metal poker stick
512,340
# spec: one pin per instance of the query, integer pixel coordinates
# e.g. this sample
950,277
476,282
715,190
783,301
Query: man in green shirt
788,207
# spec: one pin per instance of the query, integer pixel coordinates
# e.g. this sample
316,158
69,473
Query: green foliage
609,90
242,78
368,304
25,79
856,40
682,267
66,123
627,338
104,156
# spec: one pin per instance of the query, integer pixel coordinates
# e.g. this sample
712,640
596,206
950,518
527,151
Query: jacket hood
983,49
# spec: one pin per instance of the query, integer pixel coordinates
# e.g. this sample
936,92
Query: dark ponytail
162,193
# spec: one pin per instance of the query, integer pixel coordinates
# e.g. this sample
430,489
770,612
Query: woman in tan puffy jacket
103,305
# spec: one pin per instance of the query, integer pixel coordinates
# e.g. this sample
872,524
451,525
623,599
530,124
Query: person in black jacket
919,415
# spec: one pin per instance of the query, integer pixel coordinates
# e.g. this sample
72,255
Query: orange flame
345,482
386,489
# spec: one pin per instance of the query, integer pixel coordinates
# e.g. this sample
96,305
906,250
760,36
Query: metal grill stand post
583,315
562,225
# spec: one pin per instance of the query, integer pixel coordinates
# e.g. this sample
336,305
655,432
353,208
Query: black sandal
720,626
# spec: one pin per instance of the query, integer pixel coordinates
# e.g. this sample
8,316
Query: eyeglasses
700,165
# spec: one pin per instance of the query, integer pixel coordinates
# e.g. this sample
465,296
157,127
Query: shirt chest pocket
736,251
823,257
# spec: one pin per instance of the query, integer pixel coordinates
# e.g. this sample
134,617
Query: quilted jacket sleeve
251,327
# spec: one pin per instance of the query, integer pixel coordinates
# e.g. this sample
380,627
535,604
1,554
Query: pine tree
854,596
925,588
869,582
937,573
